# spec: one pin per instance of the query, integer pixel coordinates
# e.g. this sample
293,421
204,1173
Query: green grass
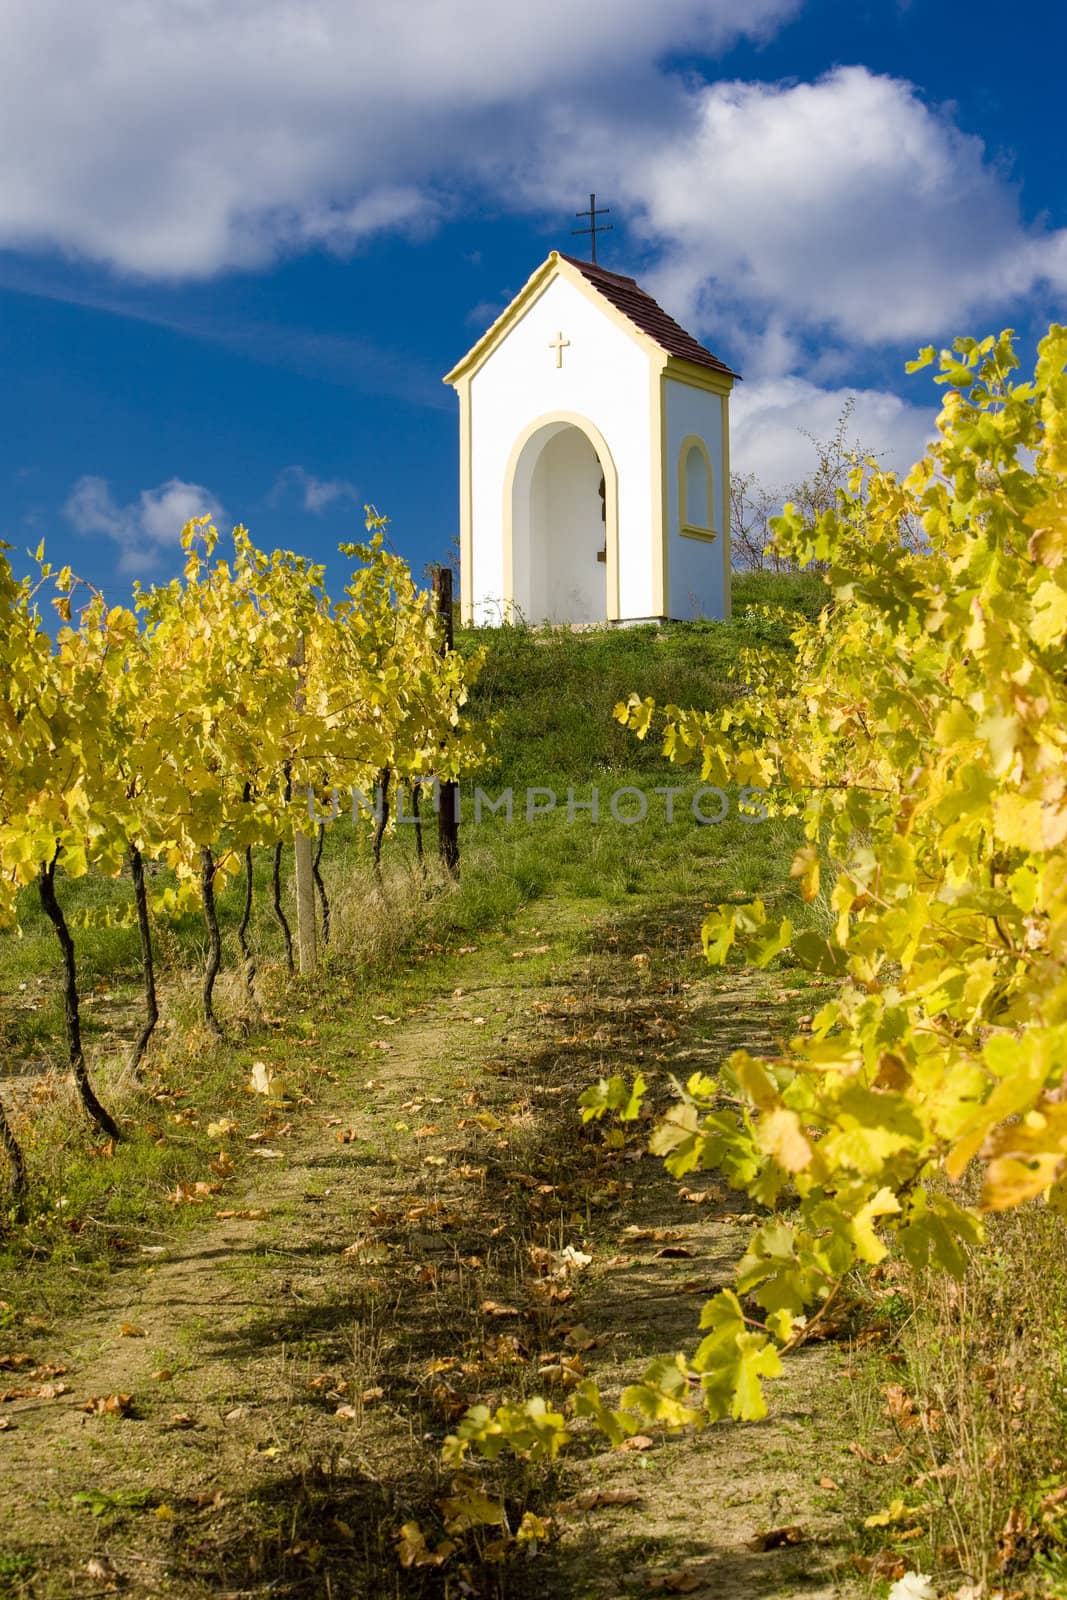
554,690
795,591
16,1569
984,1362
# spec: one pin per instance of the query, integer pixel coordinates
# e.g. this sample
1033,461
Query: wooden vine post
304,863
448,816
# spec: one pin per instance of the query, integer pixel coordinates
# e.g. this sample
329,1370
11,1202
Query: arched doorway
561,524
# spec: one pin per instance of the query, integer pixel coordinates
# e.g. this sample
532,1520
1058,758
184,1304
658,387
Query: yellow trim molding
466,530
528,295
698,377
690,529
660,510
611,505
727,555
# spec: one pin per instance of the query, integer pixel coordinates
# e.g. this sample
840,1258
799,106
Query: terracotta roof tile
627,296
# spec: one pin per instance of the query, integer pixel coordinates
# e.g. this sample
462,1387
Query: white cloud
203,137
180,137
146,530
773,422
847,206
317,493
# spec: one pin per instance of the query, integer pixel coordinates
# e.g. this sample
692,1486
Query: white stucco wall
605,377
695,568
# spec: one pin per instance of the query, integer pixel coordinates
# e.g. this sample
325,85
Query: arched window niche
696,485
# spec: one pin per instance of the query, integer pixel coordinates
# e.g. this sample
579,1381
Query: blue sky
241,240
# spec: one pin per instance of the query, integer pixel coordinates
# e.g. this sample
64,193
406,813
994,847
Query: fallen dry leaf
221,1129
103,1570
591,1499
470,1508
657,1235
580,1338
192,1194
886,1564
413,1551
889,1459
775,1538
681,1581
900,1406
568,1371
112,1405
266,1081
495,1308
450,1402
366,1250
210,1499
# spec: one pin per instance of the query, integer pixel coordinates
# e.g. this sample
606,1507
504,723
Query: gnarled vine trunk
247,958
144,928
320,887
448,813
276,906
18,1184
276,882
416,797
214,938
382,821
46,884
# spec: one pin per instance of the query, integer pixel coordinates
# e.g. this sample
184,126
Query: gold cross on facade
558,344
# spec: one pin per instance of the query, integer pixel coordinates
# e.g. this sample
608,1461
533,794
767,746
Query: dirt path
292,1373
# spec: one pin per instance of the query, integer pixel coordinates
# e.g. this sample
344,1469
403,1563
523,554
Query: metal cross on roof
593,230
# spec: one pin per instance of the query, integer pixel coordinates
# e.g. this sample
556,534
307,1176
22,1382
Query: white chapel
594,458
